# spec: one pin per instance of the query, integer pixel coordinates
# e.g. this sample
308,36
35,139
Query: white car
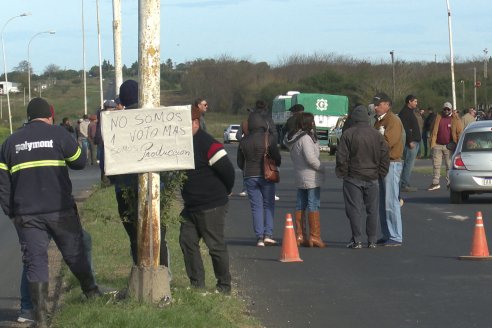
230,133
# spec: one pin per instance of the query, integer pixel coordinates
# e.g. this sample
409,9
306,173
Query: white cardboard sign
147,140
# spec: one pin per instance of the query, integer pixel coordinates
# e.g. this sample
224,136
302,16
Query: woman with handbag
310,174
261,192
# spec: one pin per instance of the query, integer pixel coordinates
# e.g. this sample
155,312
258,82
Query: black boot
39,297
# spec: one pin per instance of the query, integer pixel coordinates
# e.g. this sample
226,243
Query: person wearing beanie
362,159
445,133
310,175
389,125
36,193
205,196
129,94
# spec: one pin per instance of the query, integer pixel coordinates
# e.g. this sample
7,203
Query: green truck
325,108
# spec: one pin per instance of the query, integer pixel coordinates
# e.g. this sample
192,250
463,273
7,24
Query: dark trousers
209,225
64,227
129,217
362,202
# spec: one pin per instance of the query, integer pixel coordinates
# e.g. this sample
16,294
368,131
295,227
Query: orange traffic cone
290,253
479,249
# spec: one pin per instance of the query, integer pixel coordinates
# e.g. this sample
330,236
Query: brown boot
301,237
314,231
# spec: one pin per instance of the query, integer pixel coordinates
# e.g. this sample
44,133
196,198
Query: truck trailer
326,109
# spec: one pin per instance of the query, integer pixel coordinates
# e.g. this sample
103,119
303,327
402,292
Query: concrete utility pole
149,282
118,68
451,54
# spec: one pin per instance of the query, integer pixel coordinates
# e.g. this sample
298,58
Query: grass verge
112,263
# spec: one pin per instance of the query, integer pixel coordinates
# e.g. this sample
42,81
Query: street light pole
83,61
451,55
392,53
485,59
29,60
5,67
100,57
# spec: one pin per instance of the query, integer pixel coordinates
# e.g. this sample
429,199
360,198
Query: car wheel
456,197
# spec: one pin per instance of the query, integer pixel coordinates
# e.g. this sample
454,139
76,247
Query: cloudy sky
255,30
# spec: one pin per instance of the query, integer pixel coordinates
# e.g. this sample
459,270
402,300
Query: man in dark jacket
36,193
205,196
412,143
362,159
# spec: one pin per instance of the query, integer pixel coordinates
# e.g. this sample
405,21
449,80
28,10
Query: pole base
149,284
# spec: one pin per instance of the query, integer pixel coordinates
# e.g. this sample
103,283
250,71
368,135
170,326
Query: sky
255,30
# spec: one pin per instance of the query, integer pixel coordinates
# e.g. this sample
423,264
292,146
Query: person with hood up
261,192
362,159
310,174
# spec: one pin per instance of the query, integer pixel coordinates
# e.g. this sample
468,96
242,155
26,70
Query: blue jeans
261,195
409,156
308,199
389,204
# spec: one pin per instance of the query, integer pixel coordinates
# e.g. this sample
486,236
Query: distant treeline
231,85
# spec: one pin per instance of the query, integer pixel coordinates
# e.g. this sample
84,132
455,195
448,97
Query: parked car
335,134
471,165
230,133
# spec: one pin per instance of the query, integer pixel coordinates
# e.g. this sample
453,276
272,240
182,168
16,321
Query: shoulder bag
270,169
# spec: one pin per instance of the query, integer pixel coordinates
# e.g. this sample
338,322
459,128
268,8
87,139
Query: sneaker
277,198
371,245
381,241
392,243
354,245
269,241
243,194
260,243
408,189
433,187
25,316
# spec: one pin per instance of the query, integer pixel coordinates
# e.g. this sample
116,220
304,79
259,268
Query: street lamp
29,61
5,66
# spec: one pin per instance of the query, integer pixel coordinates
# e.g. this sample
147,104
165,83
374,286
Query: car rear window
235,127
477,141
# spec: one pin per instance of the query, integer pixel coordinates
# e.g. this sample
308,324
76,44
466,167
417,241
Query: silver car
471,166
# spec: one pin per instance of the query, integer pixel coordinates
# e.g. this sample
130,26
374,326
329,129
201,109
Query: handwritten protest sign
147,140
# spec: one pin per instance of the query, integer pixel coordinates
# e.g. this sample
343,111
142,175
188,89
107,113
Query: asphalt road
421,284
10,255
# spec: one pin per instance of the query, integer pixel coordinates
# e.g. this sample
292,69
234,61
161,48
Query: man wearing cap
36,193
205,197
389,125
445,132
362,159
412,142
